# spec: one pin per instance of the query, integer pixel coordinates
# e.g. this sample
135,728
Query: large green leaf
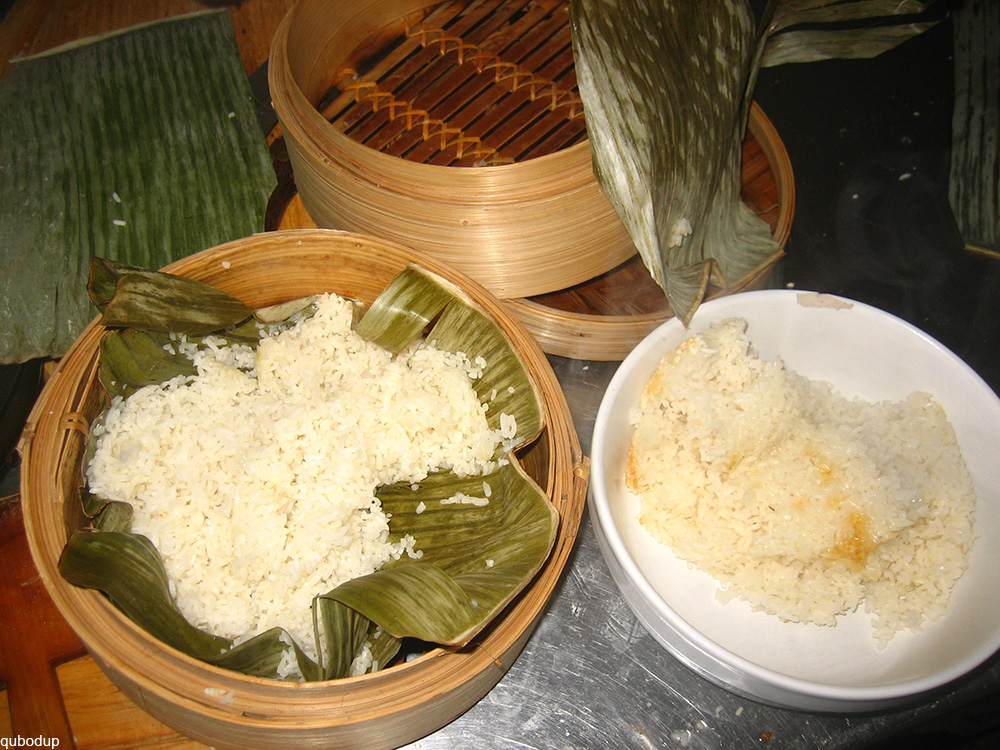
132,359
664,88
142,146
505,384
476,555
114,516
404,310
788,13
815,45
416,302
974,176
156,301
667,87
342,633
127,568
261,655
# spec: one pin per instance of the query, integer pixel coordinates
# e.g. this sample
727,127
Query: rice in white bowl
255,479
803,502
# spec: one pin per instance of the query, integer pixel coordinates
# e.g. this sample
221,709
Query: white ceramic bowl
864,352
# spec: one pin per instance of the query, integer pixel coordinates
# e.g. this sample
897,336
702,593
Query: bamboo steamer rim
381,710
564,169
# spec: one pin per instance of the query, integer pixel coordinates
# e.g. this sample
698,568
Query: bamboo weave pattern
466,86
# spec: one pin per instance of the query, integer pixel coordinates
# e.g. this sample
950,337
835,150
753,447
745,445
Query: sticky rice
255,479
803,502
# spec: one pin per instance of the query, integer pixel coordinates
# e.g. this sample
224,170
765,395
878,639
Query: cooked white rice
800,501
255,479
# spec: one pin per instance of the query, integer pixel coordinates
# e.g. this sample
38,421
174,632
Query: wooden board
34,638
102,718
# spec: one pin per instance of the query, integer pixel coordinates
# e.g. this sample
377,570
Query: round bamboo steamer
226,709
522,228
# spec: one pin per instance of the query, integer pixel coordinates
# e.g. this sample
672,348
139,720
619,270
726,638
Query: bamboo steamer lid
229,710
456,128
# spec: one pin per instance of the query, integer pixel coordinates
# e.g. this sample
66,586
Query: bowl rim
841,697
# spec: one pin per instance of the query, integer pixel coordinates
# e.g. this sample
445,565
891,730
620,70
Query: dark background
870,145
870,142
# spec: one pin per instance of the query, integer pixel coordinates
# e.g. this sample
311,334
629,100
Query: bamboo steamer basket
456,128
522,219
229,710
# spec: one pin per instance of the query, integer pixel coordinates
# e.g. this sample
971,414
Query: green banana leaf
788,13
973,184
408,306
810,46
114,517
667,87
132,359
470,565
143,146
663,86
128,570
476,556
155,301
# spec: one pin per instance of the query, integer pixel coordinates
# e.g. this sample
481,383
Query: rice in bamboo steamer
222,707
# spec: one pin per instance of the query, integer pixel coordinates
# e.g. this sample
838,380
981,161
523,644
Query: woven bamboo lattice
478,84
